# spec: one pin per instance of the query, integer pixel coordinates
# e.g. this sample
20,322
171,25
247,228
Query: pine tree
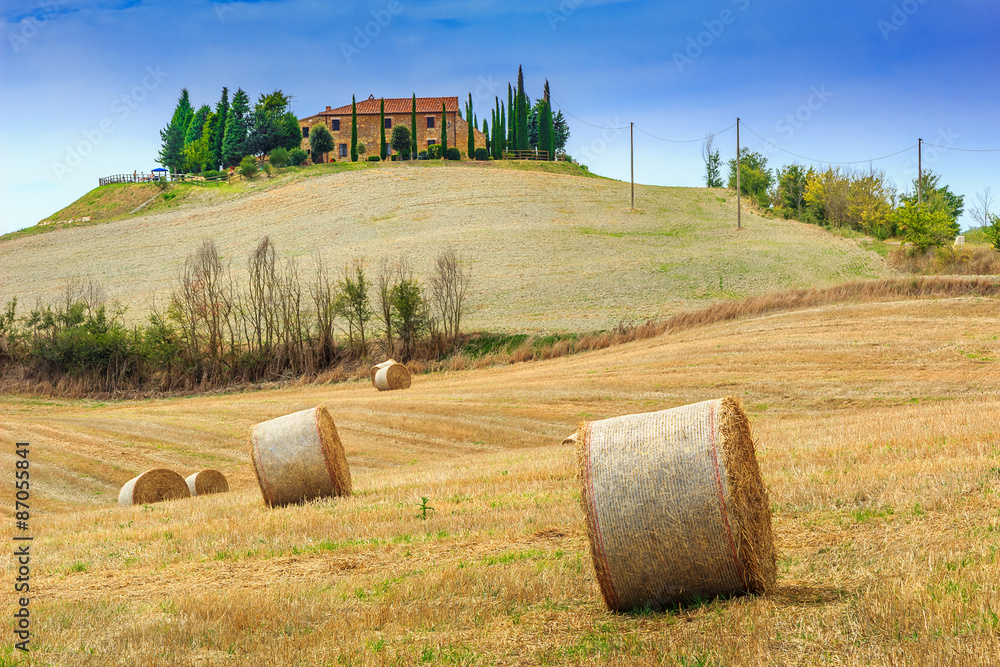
184,112
383,146
197,125
354,129
413,129
171,153
560,131
222,113
444,130
471,122
234,143
208,134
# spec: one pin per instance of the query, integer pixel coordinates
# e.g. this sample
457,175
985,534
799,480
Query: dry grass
877,439
969,260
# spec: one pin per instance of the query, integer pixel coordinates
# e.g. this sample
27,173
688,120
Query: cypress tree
546,129
510,143
413,129
383,147
486,133
222,112
444,130
354,130
522,112
471,122
234,143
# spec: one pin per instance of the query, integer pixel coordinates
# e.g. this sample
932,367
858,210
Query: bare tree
449,286
385,279
323,293
981,207
353,305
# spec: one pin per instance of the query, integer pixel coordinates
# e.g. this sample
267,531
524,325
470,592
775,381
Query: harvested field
878,444
680,251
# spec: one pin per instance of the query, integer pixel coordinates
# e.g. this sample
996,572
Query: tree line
864,200
203,139
223,324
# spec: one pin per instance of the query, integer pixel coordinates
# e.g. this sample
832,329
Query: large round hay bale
153,486
206,482
391,377
299,457
675,505
373,371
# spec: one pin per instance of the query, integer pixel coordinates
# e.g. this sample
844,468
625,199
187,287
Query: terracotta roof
396,105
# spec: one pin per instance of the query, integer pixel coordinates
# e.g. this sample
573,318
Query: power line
965,150
685,141
811,159
599,127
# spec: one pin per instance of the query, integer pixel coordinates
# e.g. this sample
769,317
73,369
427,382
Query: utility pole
631,148
920,171
739,212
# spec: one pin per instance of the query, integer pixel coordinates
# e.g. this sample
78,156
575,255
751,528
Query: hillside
550,251
876,435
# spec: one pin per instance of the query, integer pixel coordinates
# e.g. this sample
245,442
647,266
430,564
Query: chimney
328,107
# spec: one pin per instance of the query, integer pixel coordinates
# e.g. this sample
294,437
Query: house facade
397,112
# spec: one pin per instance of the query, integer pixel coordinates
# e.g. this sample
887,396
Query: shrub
279,157
482,154
248,166
374,158
297,157
434,152
401,140
268,169
320,141
453,154
211,173
422,155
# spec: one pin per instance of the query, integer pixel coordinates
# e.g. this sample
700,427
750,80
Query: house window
388,123
336,124
343,150
430,122
431,142
305,132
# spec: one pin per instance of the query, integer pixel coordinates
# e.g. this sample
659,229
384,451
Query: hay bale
207,482
299,457
373,371
571,439
391,377
675,505
153,486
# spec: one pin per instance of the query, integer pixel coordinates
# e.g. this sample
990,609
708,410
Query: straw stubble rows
877,438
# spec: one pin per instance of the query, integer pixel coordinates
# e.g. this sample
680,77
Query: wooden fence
137,177
526,155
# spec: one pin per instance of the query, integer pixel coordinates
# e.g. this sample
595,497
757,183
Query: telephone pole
920,171
739,212
631,149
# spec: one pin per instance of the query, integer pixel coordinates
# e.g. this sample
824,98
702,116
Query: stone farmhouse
397,112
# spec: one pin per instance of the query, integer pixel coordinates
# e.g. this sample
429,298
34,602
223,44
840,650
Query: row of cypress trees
514,127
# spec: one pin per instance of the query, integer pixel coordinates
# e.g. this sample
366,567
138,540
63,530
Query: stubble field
877,437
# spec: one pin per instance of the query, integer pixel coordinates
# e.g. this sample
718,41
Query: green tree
279,157
792,180
234,144
937,197
271,124
222,115
511,141
992,232
401,141
413,128
486,134
870,199
197,124
209,134
522,112
320,141
292,134
560,130
382,145
409,314
710,154
471,123
248,166
198,154
546,128
755,177
353,305
923,226
354,130
184,112
444,129
171,153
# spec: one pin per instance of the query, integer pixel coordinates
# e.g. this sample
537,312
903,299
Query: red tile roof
396,105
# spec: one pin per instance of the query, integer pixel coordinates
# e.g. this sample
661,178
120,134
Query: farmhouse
397,112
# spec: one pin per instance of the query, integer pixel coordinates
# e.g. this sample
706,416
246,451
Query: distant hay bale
373,371
153,486
299,457
675,506
206,482
392,376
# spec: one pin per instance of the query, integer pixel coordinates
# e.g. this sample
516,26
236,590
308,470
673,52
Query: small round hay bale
373,371
675,506
153,486
391,377
299,457
206,482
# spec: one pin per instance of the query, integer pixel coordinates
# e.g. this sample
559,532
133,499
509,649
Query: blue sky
86,86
